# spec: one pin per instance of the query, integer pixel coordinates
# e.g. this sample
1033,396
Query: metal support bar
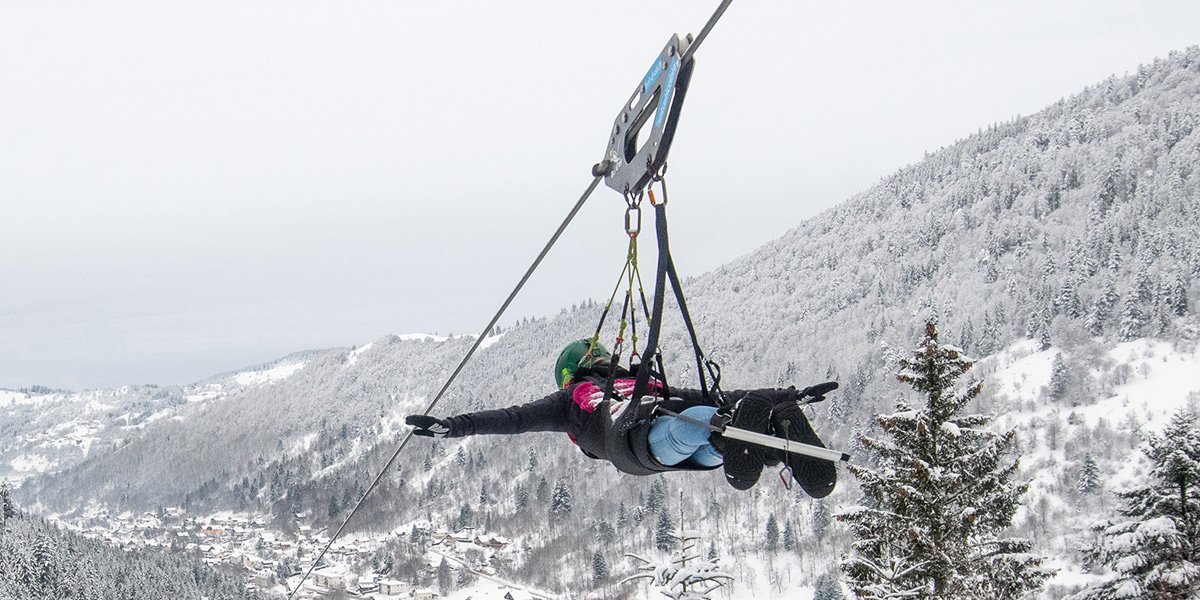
770,441
759,439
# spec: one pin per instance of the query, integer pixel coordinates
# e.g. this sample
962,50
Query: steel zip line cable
478,340
712,22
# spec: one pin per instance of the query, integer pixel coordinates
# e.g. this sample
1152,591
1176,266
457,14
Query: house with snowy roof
391,587
490,541
335,578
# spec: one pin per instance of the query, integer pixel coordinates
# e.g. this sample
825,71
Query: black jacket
622,441
556,412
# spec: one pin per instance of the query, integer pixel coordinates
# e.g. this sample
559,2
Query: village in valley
274,563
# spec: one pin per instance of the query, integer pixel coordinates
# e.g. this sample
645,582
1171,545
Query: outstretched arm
548,414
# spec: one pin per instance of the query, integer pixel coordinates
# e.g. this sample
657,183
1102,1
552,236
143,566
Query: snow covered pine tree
942,492
685,576
1155,549
828,588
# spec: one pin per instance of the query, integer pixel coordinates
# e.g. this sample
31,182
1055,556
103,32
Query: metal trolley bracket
642,132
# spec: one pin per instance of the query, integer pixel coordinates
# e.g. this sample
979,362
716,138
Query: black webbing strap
687,321
666,270
656,309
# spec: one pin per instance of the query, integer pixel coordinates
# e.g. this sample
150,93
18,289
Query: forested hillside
47,430
39,561
1073,229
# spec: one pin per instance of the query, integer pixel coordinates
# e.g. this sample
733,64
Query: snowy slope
1148,381
43,433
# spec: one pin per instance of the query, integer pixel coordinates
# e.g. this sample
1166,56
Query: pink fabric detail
588,395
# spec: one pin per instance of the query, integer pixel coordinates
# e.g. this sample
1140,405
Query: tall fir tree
605,534
940,497
1057,388
599,569
821,518
658,494
772,534
1177,296
1089,475
1102,307
465,517
789,536
47,573
8,510
828,588
1132,319
1154,548
445,578
560,500
664,532
1068,301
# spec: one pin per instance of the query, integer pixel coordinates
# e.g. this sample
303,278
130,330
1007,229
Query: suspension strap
643,376
702,362
666,271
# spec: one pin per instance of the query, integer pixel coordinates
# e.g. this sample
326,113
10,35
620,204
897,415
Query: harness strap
666,271
664,259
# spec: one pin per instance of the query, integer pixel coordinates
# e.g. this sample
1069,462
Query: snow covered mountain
1063,242
44,430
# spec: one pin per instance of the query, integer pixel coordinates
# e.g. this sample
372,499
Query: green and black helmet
579,353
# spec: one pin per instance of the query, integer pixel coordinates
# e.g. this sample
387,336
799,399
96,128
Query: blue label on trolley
668,91
652,75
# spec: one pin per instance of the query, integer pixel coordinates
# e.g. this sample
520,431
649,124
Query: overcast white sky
188,188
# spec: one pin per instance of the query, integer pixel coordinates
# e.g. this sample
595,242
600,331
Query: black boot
743,461
816,477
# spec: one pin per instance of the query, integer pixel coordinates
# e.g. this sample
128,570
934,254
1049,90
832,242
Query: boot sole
744,462
816,477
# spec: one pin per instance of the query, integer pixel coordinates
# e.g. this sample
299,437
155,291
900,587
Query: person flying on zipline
643,442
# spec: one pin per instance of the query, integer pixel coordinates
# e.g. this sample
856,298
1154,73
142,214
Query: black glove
427,426
816,393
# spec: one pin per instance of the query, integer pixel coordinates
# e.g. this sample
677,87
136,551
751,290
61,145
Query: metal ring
633,226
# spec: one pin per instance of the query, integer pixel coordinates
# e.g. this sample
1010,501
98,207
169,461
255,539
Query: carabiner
633,220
